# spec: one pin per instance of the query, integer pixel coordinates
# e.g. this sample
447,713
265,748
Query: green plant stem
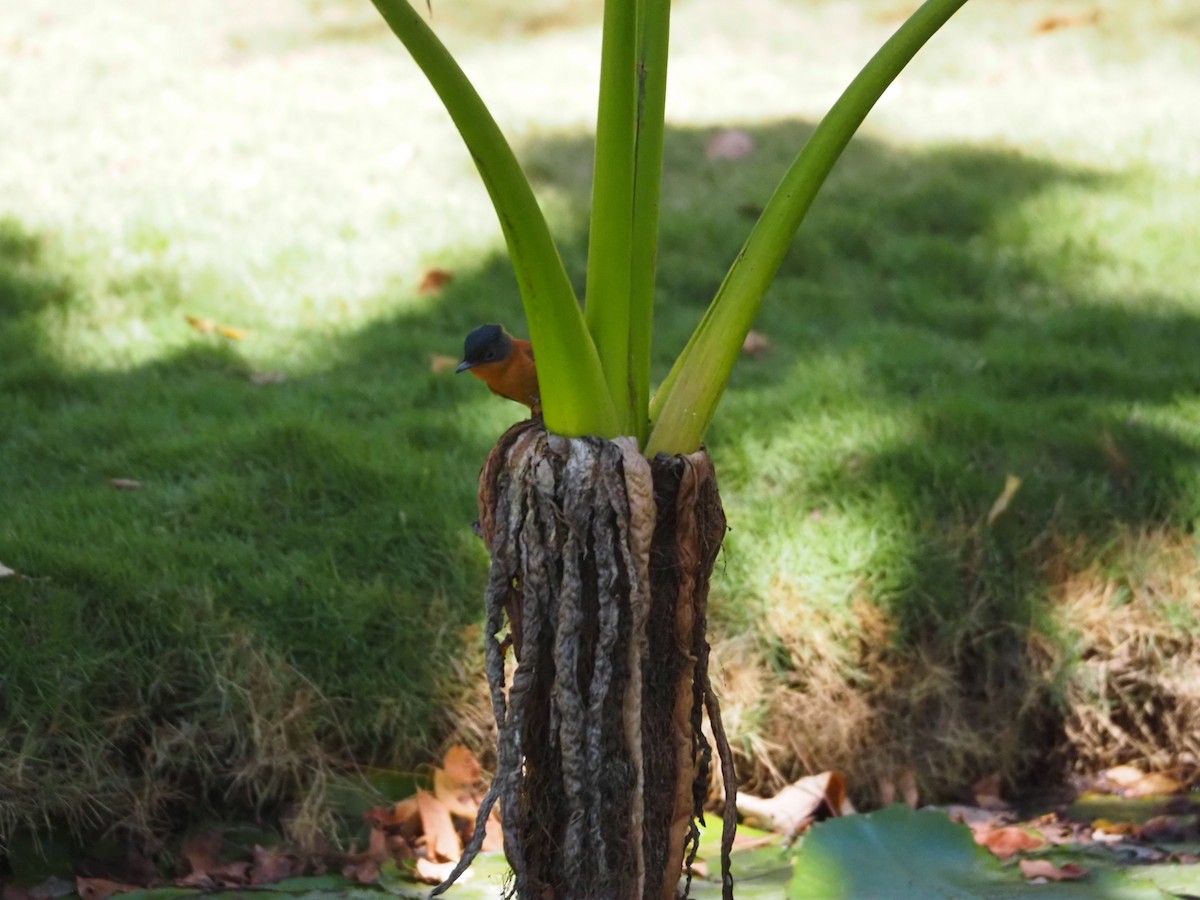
575,398
611,232
654,26
686,401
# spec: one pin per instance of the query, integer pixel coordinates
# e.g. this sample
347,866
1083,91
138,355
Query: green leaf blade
611,236
575,397
683,408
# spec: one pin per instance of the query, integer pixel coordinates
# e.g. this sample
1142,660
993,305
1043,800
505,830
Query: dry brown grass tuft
1125,620
1107,673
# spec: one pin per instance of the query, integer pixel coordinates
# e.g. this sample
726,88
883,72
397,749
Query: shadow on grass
293,582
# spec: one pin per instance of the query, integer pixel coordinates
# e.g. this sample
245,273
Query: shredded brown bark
600,565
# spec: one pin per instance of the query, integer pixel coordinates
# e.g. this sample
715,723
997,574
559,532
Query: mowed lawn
238,484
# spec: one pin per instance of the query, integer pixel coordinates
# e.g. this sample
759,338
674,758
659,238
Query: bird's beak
463,366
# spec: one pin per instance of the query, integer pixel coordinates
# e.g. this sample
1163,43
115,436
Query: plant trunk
600,563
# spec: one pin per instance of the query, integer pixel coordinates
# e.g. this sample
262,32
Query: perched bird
504,363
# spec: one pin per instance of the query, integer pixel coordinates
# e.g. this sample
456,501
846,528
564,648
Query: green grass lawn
1000,278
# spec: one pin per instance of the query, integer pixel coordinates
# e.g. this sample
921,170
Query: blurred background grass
1000,278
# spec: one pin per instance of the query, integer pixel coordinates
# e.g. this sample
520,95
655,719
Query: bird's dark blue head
486,344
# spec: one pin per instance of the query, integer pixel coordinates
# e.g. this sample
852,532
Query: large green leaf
899,853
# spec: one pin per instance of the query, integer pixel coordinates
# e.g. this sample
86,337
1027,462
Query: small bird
504,363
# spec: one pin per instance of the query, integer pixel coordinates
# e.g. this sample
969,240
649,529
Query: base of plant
600,563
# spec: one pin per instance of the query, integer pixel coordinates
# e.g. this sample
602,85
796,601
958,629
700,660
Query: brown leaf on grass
730,143
462,765
208,326
1056,23
433,873
1129,781
456,796
433,281
202,852
1007,841
125,484
403,817
441,837
1106,829
1011,484
1043,868
440,364
798,804
204,326
756,344
272,864
364,867
101,888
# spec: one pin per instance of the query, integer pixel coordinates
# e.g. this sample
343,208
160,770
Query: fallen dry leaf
731,143
456,796
364,867
756,344
204,326
433,281
101,888
798,804
1130,781
125,484
403,817
441,837
433,873
1011,484
208,326
1007,841
462,765
440,364
271,865
202,851
1055,23
1043,868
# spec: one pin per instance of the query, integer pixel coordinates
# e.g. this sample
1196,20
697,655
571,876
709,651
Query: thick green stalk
685,403
610,236
654,26
575,398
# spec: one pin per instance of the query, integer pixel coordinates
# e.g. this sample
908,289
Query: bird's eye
489,356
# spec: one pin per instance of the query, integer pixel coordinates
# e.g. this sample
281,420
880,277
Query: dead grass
1126,618
1112,676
